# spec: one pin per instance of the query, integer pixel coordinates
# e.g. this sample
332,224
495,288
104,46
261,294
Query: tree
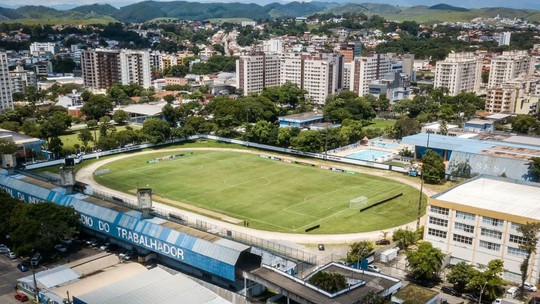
405,237
345,106
359,250
288,94
405,126
308,141
534,168
526,124
487,284
263,132
55,125
373,298
97,106
7,146
433,167
328,281
92,124
462,169
120,117
157,129
529,232
85,136
425,263
460,275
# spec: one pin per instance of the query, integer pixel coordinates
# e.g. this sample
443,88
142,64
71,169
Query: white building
6,98
21,79
364,70
273,46
459,72
508,66
504,38
256,72
477,222
41,48
135,68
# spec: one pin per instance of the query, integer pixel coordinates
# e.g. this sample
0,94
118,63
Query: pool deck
351,149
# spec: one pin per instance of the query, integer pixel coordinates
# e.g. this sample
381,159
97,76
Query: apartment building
6,98
256,72
513,96
477,222
508,66
364,70
135,68
459,72
42,48
21,79
102,68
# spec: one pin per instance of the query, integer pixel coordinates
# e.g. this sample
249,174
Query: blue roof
458,144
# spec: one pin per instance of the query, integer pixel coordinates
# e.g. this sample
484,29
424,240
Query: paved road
85,175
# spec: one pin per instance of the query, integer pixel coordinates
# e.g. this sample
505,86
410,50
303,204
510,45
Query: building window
517,239
490,246
491,233
439,210
462,239
515,226
465,215
437,233
464,227
517,252
438,221
492,221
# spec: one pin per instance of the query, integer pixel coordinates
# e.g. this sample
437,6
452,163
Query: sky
66,4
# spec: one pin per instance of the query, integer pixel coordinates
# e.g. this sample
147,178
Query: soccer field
269,194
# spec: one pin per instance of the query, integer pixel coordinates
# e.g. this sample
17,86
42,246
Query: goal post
358,203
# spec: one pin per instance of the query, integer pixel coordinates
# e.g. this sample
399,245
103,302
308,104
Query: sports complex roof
457,144
497,194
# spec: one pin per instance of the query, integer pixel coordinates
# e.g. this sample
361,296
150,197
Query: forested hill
149,10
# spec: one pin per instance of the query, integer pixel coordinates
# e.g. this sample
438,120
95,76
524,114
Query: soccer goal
358,203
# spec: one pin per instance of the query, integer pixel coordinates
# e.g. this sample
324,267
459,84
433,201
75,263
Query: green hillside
102,9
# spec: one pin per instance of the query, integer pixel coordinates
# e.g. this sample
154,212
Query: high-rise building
102,68
21,79
513,96
366,69
41,48
508,66
135,68
256,72
459,72
408,65
6,99
504,38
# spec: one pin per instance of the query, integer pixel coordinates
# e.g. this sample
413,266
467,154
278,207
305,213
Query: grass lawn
271,195
381,124
72,138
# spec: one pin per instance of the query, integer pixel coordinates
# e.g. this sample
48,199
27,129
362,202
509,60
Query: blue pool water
368,154
383,144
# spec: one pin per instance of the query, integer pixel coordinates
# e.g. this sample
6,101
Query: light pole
421,188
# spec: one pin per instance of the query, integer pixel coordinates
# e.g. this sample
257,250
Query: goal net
358,203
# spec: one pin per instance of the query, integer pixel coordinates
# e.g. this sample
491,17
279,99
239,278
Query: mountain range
148,10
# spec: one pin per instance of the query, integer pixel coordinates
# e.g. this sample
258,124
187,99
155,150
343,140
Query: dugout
200,254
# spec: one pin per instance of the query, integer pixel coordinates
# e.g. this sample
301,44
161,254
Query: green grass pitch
271,195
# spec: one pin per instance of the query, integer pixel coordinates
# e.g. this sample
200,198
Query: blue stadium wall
131,228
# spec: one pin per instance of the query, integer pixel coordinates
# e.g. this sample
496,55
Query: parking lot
9,272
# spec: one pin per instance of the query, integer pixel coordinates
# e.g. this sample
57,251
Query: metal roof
155,286
52,277
453,143
144,109
496,194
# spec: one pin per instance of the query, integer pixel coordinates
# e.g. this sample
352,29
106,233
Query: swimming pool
383,144
369,154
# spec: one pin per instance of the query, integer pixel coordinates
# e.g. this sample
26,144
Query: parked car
470,297
105,246
451,291
534,300
36,259
61,248
128,256
12,255
23,266
21,297
65,241
382,242
123,254
321,247
4,249
373,268
530,287
95,243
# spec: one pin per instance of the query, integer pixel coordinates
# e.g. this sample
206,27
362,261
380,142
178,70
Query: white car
60,248
11,255
530,287
373,268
